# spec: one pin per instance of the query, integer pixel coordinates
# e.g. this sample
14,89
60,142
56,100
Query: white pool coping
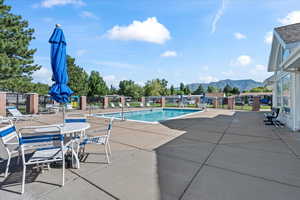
141,121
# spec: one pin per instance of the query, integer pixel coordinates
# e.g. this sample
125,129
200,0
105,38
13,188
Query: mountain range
246,84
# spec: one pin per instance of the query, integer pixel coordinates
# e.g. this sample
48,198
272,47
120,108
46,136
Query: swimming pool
151,115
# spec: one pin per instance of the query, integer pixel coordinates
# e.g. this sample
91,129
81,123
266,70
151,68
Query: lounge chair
112,105
120,105
51,108
102,139
47,147
10,141
6,120
18,115
148,105
271,118
69,107
141,105
127,105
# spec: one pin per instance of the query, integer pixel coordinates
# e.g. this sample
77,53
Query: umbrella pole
64,110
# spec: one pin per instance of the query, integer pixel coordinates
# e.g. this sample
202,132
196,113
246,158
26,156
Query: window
283,89
286,53
279,93
286,90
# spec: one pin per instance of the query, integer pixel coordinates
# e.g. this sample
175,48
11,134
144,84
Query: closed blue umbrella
59,91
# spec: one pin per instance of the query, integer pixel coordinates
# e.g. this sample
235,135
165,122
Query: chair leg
23,179
7,165
19,158
109,149
106,152
63,171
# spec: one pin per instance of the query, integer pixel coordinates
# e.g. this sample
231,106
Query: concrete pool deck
217,154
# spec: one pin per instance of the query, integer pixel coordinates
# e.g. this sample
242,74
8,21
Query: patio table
72,130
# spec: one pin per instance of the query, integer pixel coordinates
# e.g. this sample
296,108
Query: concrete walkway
218,154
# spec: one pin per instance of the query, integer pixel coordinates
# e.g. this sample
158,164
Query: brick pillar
32,103
162,101
82,102
2,103
105,102
215,102
198,101
256,103
231,103
143,101
122,100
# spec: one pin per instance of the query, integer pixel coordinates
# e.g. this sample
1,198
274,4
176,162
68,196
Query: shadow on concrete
180,160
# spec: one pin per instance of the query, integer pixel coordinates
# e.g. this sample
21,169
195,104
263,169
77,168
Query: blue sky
179,40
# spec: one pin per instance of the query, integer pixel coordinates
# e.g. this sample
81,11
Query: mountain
241,84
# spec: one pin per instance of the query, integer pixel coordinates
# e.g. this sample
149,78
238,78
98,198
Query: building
284,62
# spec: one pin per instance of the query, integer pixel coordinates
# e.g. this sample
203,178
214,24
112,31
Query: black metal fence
17,100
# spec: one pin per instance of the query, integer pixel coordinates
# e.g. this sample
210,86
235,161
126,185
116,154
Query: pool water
153,115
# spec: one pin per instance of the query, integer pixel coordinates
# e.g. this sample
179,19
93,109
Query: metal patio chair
102,139
10,141
47,147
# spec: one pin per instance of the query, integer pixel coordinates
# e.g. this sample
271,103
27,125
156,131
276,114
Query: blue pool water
154,115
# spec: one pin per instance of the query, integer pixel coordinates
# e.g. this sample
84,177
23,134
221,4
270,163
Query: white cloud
43,75
87,14
269,37
239,36
218,16
207,79
169,54
242,60
111,80
51,3
292,18
81,52
149,30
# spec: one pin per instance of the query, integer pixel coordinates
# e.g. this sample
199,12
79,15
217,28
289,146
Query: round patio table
72,130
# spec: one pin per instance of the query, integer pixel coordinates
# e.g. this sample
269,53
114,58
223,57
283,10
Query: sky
187,41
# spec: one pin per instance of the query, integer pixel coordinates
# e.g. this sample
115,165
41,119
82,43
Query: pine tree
16,58
199,90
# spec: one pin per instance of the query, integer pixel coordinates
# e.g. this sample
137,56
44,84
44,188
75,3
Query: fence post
143,100
215,102
32,103
231,103
256,103
122,100
198,101
82,102
163,102
105,102
2,103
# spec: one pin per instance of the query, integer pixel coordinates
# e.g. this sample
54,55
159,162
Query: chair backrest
127,104
75,118
148,104
40,137
141,105
112,105
8,133
120,105
276,112
14,112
